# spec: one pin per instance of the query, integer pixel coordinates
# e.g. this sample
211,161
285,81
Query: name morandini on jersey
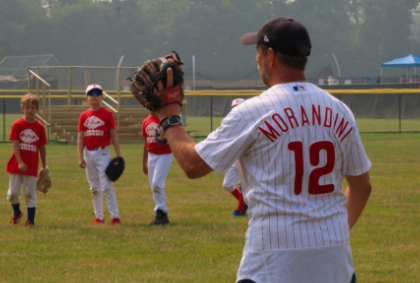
305,117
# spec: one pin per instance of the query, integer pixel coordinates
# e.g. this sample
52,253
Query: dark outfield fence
377,110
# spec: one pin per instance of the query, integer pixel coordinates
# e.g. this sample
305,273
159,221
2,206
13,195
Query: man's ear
271,55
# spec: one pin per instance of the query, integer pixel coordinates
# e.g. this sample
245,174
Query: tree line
356,36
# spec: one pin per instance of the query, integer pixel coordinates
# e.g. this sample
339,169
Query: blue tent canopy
403,62
408,61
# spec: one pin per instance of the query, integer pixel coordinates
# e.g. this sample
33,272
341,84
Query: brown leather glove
144,85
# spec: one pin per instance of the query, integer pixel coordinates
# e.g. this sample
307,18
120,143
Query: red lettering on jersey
272,135
351,129
335,120
316,115
341,127
283,126
304,117
291,116
328,117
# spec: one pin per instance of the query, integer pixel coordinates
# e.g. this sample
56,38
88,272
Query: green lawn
201,126
202,243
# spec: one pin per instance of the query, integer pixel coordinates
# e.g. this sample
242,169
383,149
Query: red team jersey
96,126
149,127
30,137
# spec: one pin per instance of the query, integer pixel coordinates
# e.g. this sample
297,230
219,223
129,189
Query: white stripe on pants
159,165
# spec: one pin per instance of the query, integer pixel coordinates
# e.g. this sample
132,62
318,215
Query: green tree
210,30
24,28
381,33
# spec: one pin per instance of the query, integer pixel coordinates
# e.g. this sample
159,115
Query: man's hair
294,62
30,99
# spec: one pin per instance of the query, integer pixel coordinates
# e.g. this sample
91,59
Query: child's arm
21,165
80,148
115,141
145,158
43,155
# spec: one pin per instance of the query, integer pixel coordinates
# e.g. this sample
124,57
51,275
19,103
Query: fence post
4,120
399,112
211,114
119,95
69,88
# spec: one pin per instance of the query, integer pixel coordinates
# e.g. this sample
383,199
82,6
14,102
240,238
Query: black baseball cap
283,35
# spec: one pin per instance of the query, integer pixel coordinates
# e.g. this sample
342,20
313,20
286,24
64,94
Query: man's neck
287,76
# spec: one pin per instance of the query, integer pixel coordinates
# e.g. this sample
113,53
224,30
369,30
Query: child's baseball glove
115,168
43,182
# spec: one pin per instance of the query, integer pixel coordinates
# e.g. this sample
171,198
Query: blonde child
29,139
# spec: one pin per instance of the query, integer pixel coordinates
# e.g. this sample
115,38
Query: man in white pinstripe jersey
295,144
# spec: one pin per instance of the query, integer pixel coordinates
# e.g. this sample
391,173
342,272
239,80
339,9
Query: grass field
202,243
201,126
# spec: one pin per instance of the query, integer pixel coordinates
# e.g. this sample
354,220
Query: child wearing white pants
96,162
159,165
96,130
157,159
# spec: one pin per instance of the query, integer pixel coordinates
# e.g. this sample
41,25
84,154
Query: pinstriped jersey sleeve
358,162
224,146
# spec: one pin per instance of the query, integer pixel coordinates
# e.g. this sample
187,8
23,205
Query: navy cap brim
249,38
98,89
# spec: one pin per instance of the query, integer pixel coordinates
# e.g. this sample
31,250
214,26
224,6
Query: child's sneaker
116,221
16,218
161,218
29,224
238,213
98,221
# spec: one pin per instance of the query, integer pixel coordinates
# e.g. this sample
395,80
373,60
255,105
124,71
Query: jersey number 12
314,150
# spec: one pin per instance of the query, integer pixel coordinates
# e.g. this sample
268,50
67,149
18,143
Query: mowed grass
202,243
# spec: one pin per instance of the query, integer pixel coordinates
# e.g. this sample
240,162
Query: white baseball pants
159,165
231,177
96,163
29,189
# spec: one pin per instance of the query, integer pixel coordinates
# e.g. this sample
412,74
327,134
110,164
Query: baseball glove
160,135
43,182
144,85
115,168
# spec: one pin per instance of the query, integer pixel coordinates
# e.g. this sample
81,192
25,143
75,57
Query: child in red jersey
96,130
157,159
29,140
